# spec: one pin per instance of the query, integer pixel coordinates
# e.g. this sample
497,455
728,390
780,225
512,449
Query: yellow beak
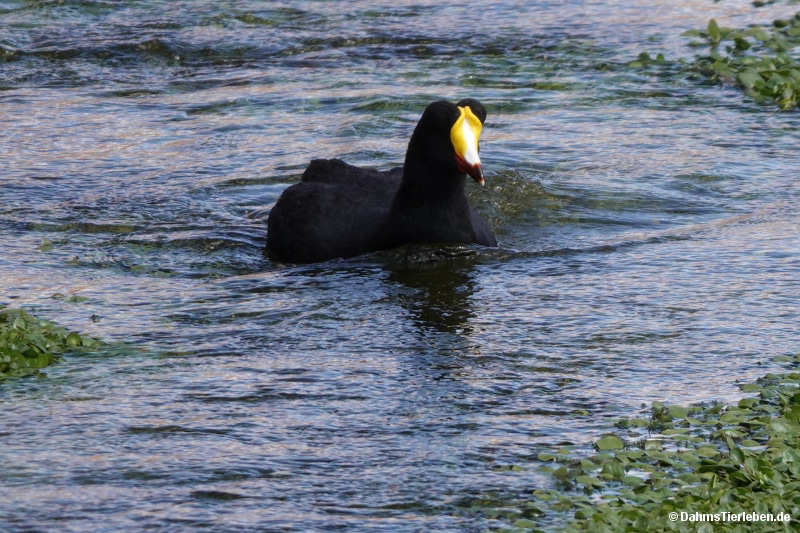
464,135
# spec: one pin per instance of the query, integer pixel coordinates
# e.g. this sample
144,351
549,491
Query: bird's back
334,211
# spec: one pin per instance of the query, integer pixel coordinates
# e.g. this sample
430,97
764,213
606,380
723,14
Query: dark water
649,251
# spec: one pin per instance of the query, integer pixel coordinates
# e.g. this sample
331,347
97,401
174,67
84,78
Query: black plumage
339,210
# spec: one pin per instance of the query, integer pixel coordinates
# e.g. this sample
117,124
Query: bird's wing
336,171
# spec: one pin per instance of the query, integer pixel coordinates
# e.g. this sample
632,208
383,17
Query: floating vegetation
28,344
708,459
758,58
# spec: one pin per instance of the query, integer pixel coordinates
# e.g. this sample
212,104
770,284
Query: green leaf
633,481
676,411
609,442
612,470
732,417
707,451
562,474
73,340
749,78
588,481
759,34
747,403
713,31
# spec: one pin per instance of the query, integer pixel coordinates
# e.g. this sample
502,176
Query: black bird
339,210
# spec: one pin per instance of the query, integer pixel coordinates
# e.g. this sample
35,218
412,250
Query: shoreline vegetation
757,59
708,458
28,344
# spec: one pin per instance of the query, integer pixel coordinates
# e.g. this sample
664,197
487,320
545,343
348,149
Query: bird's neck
429,206
426,184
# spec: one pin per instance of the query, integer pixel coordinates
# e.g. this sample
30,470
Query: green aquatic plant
28,344
759,59
660,473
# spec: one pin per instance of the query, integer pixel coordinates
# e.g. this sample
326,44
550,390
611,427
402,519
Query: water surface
649,251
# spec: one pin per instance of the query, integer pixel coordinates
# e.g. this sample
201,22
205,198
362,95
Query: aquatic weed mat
28,344
707,467
760,59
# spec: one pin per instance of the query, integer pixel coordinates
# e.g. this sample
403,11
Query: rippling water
649,251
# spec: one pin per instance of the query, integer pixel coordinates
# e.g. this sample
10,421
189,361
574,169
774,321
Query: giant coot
339,210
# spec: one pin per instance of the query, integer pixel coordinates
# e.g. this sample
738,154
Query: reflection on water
434,289
649,251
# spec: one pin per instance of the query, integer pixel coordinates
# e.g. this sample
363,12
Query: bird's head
447,136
